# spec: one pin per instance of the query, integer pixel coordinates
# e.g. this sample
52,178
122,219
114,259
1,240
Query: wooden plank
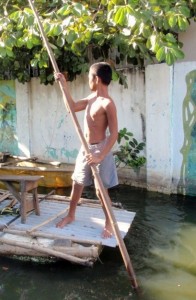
19,178
4,196
48,220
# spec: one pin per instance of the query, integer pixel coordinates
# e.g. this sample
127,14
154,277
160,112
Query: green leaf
160,55
132,144
57,29
42,64
170,38
184,10
64,10
15,15
71,37
34,62
9,52
115,76
136,151
60,41
147,31
182,23
50,77
47,27
135,141
172,21
2,52
20,42
141,146
120,16
177,53
10,41
78,9
29,44
36,40
170,58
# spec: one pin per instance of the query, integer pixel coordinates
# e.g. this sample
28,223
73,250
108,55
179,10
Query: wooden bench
27,183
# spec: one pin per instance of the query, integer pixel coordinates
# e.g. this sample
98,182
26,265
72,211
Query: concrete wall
45,129
159,107
159,81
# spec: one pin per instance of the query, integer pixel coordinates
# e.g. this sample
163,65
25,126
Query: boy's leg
107,231
74,198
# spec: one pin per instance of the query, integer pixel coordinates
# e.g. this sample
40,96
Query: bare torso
95,121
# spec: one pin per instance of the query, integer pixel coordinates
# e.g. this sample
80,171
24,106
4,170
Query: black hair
104,71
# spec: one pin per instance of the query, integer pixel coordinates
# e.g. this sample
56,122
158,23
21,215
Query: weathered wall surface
158,107
49,131
158,126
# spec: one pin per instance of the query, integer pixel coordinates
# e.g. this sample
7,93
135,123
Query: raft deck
79,242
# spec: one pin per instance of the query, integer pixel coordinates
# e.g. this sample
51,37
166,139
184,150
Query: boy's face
92,79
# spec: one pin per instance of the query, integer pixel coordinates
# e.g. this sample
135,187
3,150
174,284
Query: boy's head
102,70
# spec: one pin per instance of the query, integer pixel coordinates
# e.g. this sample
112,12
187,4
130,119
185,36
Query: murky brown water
161,244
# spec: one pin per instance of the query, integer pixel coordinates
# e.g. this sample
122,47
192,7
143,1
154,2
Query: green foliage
129,150
79,32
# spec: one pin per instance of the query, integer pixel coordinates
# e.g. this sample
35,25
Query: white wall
158,106
49,132
158,126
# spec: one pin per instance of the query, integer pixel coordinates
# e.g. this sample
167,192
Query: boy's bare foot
107,232
66,220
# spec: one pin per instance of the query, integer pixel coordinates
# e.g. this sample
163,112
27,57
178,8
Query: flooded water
161,244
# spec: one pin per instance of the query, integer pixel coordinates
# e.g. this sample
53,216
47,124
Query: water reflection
161,244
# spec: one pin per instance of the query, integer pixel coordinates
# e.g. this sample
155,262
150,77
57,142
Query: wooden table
27,183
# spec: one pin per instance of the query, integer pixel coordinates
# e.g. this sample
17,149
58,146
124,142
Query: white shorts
106,169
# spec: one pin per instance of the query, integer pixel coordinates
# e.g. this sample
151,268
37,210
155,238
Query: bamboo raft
79,242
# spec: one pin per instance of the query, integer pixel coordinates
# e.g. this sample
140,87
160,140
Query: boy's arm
74,106
111,113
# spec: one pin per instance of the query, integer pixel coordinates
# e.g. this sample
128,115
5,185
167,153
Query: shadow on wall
187,182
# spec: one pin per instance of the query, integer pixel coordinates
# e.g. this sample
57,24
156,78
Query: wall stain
69,154
187,183
52,152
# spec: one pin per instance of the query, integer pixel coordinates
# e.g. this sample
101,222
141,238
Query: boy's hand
94,158
59,76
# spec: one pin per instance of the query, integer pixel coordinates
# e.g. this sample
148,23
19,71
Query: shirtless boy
100,115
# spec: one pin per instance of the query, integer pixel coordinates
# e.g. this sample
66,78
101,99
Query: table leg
36,202
23,207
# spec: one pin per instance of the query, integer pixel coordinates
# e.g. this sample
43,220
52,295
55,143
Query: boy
100,115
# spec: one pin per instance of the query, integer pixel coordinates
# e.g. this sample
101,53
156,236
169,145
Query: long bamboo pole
51,236
101,188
